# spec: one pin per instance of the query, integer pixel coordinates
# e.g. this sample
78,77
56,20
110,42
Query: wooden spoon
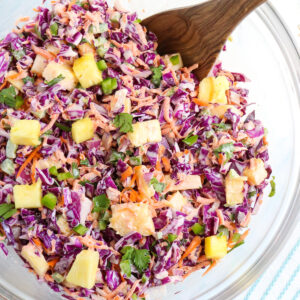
199,32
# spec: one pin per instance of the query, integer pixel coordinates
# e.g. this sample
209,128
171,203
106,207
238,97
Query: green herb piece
108,85
116,156
237,245
172,237
28,79
64,176
48,132
19,102
223,231
124,122
144,278
227,149
54,29
125,266
63,127
251,194
236,237
198,229
222,126
84,182
175,60
137,21
75,170
101,203
273,187
8,167
84,162
134,297
57,277
55,80
8,97
102,224
157,75
6,211
37,32
80,229
53,171
18,54
11,149
158,186
101,64
135,160
191,140
209,134
9,214
49,200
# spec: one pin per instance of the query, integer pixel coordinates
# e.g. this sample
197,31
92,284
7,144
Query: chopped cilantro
158,186
273,187
124,122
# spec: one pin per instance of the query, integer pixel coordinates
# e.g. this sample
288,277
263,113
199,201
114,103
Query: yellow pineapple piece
52,49
256,173
63,225
86,71
176,201
215,246
131,217
55,69
86,48
26,132
189,182
145,189
220,110
84,269
212,90
145,132
28,196
234,186
39,65
36,261
83,130
17,83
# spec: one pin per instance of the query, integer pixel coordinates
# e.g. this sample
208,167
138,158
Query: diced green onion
102,49
58,277
9,214
75,170
236,237
108,85
223,231
53,171
172,237
19,101
115,156
101,64
11,149
64,176
55,80
8,167
115,17
134,297
102,224
80,229
5,207
175,60
135,160
103,28
144,278
191,140
54,29
18,54
63,127
84,162
198,229
49,200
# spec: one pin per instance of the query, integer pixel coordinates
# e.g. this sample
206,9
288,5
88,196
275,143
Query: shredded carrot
21,20
37,242
196,241
42,52
28,160
214,263
53,262
51,123
166,163
220,216
265,140
3,85
15,75
71,4
243,236
126,173
133,179
130,293
33,169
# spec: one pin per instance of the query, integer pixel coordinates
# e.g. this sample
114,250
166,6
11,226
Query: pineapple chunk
84,269
189,182
220,110
234,186
26,132
256,173
86,71
52,49
17,83
48,163
54,69
176,201
39,65
215,246
146,189
119,101
83,130
145,132
212,90
63,225
85,49
131,217
35,258
28,196
174,61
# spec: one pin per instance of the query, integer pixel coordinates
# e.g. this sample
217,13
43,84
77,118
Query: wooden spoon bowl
199,32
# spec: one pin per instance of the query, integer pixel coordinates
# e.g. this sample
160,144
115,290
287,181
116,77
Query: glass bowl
263,50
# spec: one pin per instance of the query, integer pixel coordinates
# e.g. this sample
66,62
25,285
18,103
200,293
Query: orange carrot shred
166,163
3,85
126,173
43,52
192,246
214,263
33,169
28,160
53,262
